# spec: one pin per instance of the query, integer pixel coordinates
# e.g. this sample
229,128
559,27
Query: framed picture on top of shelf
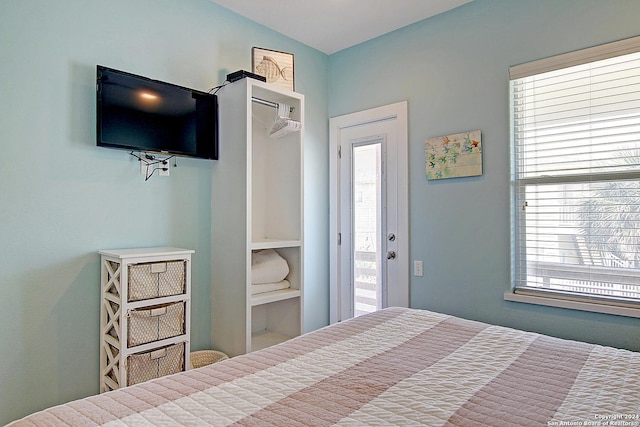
275,66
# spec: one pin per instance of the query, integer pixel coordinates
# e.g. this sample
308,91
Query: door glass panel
367,228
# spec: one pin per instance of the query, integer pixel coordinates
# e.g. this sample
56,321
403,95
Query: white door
369,211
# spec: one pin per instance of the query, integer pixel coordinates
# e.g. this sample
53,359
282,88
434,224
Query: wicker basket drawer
158,279
155,363
155,323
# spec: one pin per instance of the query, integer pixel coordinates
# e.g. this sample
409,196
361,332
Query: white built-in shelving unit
257,204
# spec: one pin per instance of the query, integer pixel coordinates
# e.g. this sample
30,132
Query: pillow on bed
267,266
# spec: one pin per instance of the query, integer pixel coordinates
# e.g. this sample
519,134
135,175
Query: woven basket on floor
206,357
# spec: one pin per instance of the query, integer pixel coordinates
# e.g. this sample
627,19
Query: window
575,131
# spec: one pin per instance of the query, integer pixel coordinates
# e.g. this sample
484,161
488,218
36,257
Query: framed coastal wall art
275,66
454,156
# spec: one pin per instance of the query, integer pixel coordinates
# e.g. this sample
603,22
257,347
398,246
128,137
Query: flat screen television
140,114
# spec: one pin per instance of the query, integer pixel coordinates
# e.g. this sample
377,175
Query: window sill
572,305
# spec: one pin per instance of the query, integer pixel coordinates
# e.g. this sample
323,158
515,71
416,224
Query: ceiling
333,25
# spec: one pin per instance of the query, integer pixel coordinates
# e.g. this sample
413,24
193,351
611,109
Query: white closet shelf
266,338
268,297
274,243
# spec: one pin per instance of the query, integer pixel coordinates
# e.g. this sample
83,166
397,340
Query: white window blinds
576,173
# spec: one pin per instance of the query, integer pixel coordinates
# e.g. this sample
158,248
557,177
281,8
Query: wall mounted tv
140,114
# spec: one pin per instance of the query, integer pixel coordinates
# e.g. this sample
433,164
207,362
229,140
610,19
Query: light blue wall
453,71
62,198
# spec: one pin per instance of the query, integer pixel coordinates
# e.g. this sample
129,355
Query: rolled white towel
270,287
267,266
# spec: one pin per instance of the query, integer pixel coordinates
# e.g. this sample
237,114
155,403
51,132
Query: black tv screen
140,114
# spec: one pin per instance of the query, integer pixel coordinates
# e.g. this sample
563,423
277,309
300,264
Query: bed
393,367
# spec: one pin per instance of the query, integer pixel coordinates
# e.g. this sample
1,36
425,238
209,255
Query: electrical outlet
162,166
417,268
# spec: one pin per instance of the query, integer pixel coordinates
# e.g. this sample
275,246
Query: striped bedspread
393,367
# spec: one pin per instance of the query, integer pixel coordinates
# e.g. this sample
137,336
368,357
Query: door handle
391,255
